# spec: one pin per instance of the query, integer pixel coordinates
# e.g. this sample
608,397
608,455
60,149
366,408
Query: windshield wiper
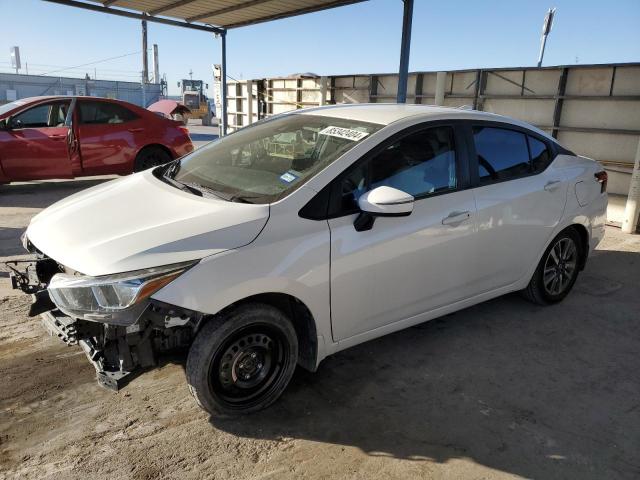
243,198
173,169
203,189
182,186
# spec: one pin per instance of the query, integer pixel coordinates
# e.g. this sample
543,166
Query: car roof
43,98
32,101
387,113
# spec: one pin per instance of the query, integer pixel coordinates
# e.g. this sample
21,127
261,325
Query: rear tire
242,361
557,271
150,157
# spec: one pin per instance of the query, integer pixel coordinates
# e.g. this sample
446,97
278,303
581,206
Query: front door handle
57,137
136,130
455,218
552,185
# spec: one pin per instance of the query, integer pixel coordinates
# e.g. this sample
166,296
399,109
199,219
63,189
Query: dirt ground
504,389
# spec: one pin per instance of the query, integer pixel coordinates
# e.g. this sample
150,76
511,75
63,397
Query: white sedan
306,234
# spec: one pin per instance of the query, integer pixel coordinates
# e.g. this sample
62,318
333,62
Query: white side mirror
382,202
386,202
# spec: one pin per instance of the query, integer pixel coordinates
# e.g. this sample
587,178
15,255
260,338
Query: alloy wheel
560,266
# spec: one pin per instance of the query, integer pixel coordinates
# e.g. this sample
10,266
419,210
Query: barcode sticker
346,133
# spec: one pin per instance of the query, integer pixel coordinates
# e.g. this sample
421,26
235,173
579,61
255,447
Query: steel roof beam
138,16
171,6
221,11
293,13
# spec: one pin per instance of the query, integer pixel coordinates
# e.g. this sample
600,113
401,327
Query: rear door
408,265
520,198
35,145
109,135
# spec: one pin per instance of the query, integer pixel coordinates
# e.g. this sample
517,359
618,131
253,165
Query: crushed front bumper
117,353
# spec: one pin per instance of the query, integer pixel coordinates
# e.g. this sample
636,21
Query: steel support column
632,208
223,85
405,45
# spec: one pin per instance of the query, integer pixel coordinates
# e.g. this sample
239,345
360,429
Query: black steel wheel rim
560,266
248,365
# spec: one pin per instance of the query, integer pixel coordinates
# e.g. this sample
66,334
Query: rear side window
104,113
502,154
540,156
422,163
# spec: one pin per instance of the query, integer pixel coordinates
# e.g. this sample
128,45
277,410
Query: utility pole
546,28
145,58
156,65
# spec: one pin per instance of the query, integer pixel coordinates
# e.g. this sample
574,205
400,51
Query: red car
67,137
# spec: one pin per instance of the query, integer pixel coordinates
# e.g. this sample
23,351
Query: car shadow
10,242
540,392
41,194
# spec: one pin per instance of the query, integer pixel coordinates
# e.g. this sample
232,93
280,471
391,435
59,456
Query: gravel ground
504,389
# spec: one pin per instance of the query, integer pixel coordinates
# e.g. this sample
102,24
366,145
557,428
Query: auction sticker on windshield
288,177
346,133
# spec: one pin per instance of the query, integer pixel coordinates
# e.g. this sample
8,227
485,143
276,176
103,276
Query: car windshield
270,159
10,106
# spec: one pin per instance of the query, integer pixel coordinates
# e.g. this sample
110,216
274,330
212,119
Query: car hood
140,222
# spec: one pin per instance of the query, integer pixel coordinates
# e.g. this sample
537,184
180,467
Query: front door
35,145
403,266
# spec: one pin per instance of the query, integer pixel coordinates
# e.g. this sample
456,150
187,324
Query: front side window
97,113
502,154
42,116
420,164
36,117
270,159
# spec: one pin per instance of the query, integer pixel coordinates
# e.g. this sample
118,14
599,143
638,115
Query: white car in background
306,234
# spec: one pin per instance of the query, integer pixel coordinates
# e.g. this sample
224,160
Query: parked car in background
306,234
67,137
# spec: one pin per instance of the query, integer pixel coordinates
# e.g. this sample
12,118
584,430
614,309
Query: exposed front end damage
118,353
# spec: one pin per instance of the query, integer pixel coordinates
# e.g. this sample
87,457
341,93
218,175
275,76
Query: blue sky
361,38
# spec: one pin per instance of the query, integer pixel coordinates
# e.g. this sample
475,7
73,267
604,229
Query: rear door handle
135,130
552,185
57,137
456,217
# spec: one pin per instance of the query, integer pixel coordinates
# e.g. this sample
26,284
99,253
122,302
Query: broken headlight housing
115,299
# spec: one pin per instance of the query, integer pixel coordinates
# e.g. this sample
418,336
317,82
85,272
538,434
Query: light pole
546,28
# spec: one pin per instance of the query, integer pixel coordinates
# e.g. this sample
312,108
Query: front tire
242,361
557,271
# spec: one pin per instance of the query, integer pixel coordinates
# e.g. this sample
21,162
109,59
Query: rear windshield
265,162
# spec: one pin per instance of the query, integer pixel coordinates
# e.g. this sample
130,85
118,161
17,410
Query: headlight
117,299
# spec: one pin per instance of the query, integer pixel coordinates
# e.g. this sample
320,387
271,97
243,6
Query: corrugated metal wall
593,110
22,86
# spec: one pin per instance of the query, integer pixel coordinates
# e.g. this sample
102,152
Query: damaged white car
305,234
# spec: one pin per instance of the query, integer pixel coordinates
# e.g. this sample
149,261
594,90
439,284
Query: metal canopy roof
217,16
224,14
